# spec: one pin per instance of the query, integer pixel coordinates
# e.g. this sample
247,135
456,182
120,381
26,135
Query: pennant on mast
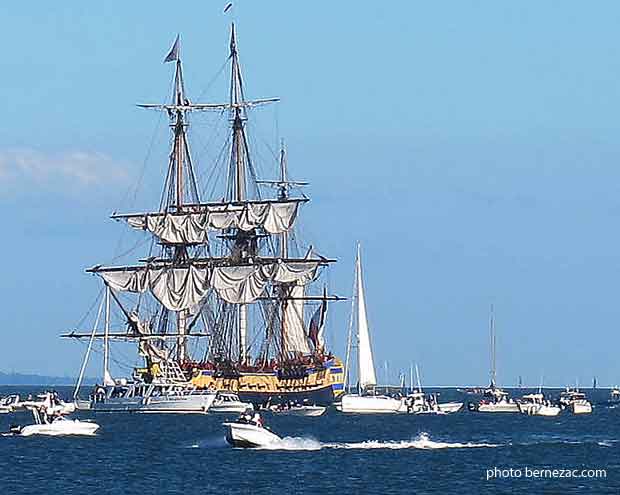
173,55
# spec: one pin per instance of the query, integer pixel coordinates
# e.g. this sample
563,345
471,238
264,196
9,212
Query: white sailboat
365,400
417,402
495,400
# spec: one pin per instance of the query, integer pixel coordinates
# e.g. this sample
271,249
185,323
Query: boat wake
422,442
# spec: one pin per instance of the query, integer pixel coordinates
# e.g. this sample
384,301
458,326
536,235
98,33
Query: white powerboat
575,401
58,426
537,405
50,421
228,402
364,402
9,404
418,402
50,402
249,435
295,409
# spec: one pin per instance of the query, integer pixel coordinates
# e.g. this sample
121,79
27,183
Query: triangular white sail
367,377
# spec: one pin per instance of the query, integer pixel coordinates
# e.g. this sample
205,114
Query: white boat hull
63,427
580,407
165,404
249,436
370,404
540,410
302,411
499,407
450,407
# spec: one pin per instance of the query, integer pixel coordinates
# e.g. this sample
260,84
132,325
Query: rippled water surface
140,454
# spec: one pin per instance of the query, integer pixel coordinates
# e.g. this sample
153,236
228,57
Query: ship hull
313,386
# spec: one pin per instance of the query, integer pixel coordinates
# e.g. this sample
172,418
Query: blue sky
471,146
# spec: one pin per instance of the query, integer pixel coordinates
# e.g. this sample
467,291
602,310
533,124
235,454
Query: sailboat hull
370,404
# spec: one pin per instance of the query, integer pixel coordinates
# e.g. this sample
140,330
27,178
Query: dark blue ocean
388,454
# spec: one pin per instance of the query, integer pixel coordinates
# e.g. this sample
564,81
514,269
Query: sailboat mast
283,194
106,340
493,349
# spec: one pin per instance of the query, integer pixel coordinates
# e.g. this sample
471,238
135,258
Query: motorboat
417,402
537,405
247,433
228,402
364,401
58,426
9,404
158,397
50,420
295,409
614,395
575,401
50,401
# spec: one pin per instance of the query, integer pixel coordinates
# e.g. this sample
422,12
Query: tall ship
227,296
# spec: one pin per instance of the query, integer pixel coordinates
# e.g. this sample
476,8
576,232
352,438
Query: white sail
295,339
192,227
182,288
367,377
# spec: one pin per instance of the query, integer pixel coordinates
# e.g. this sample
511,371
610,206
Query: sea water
460,453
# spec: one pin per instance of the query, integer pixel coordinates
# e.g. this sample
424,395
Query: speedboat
614,395
51,422
298,409
537,405
450,407
58,426
249,435
575,401
228,402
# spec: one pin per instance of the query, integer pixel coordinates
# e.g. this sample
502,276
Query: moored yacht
365,400
228,402
494,399
575,401
537,405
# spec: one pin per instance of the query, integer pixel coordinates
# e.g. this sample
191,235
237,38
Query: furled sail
367,376
183,288
192,227
295,339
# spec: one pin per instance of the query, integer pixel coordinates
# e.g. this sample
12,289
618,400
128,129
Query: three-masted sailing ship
229,272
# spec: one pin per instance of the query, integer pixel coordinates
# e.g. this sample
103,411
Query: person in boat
257,420
246,417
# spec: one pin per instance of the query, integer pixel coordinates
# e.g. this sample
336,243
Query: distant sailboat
365,400
495,400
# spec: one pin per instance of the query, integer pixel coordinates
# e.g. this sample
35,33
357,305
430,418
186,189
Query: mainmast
493,350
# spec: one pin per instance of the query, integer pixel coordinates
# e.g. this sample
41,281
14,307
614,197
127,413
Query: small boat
614,395
50,401
418,402
249,432
9,404
575,401
51,421
298,409
537,405
365,401
228,402
58,426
